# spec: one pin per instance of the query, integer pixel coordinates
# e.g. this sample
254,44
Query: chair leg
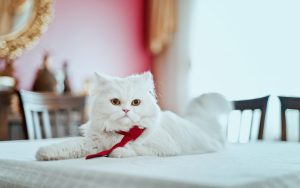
261,123
283,125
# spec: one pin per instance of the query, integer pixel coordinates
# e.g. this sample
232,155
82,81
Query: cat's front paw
48,153
43,154
122,152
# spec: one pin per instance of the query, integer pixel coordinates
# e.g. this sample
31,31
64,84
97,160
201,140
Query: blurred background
242,49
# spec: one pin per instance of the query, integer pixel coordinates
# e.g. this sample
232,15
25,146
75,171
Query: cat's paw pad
122,152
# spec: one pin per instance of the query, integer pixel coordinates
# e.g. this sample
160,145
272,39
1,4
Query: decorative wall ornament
13,44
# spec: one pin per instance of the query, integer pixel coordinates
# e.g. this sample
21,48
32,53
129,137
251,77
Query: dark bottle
67,87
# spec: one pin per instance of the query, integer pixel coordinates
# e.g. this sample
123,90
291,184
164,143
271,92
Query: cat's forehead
126,88
129,84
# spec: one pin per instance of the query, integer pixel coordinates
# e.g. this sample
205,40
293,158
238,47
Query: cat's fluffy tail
210,113
208,106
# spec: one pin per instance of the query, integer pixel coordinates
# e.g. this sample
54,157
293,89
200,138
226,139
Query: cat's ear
148,78
100,80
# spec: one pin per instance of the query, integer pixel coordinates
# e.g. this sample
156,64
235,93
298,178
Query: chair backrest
46,114
5,101
252,105
292,103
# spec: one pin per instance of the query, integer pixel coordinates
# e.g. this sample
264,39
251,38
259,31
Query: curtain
162,18
171,65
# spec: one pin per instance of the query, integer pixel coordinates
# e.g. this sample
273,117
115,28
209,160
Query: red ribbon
131,135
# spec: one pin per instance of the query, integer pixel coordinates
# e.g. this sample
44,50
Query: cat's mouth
125,116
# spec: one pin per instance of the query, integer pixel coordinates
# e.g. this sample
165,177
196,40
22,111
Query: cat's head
120,103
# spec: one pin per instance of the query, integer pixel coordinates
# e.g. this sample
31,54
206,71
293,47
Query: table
257,164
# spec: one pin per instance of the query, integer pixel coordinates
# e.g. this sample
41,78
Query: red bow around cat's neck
131,135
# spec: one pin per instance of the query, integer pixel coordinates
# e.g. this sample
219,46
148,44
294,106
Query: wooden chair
46,113
5,101
292,103
252,105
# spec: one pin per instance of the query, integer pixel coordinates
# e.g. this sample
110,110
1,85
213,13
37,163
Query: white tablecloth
259,164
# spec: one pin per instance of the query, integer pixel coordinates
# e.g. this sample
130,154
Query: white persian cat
120,103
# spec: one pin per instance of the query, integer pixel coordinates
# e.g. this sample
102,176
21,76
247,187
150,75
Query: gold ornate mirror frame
12,46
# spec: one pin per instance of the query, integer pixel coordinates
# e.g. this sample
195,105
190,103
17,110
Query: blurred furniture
22,22
5,102
50,115
287,103
13,123
252,105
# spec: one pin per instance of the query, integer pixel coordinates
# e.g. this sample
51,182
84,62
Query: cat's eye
115,101
136,102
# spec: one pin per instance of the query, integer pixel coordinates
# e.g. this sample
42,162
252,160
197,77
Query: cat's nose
125,110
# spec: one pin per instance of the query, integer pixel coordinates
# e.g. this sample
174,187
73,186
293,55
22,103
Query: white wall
246,49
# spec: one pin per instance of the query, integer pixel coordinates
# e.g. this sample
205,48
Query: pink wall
94,35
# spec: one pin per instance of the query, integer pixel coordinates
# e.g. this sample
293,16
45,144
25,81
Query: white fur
165,133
